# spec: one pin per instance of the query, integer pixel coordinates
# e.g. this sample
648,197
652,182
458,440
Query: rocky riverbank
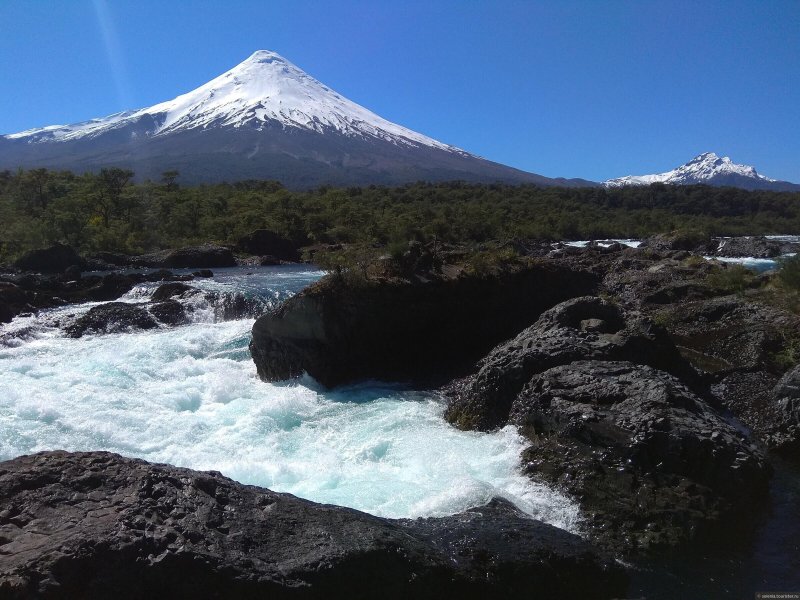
634,372
97,525
652,386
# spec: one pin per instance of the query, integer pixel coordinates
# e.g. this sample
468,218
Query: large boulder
97,525
206,256
264,242
54,259
171,290
169,312
586,328
754,246
13,300
191,257
729,333
691,241
343,328
787,393
651,463
112,317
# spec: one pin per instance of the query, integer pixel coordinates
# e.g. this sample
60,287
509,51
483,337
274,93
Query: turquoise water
190,396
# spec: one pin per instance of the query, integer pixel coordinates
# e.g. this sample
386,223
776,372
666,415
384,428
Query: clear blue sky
579,89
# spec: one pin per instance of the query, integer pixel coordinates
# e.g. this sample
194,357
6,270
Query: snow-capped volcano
264,119
264,88
709,169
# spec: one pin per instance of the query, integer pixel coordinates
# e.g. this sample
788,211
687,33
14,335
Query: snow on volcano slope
707,168
264,119
265,87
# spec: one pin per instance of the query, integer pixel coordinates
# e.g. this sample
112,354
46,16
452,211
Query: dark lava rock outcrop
586,328
97,525
755,246
169,312
169,290
13,301
651,463
112,317
266,243
342,329
54,259
729,333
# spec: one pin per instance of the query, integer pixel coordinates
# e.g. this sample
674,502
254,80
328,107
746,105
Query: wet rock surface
53,259
338,331
29,292
652,463
97,525
755,246
112,317
265,243
586,328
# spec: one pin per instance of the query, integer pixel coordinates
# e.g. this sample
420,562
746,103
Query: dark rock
786,399
169,312
97,525
165,275
203,273
13,301
636,279
726,334
72,273
233,306
209,255
170,290
258,261
54,259
112,317
679,291
679,241
651,463
263,242
787,392
756,247
116,259
342,329
108,287
578,329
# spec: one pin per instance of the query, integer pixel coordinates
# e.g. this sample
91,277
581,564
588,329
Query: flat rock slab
98,525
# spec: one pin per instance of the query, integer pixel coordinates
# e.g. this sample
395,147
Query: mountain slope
264,119
709,169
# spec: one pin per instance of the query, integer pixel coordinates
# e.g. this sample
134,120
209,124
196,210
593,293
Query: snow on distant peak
701,169
264,90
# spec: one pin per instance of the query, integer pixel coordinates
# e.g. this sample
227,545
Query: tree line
108,211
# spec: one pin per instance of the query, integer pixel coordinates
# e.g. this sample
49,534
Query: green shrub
732,279
789,273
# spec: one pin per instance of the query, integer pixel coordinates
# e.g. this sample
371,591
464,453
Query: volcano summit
264,119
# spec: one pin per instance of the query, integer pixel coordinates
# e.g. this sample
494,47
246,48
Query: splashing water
190,396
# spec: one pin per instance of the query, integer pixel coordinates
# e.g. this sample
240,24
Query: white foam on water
190,396
605,243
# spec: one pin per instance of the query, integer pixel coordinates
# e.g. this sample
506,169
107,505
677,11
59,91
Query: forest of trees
108,211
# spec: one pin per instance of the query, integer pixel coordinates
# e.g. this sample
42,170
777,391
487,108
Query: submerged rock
97,525
169,312
343,329
169,290
112,317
